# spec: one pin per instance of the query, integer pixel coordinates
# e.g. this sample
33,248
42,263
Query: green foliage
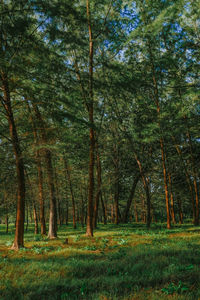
172,288
142,268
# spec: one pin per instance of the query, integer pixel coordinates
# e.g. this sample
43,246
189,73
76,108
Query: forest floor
120,262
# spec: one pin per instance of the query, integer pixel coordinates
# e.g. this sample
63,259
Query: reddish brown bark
98,194
35,218
194,175
130,199
40,174
7,223
104,211
82,209
172,200
41,195
89,229
72,193
166,186
146,188
163,154
178,149
180,211
19,233
48,159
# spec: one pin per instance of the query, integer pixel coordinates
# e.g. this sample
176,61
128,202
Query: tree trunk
82,210
163,154
180,211
194,175
72,193
146,188
104,211
130,199
172,200
188,179
19,233
41,196
48,159
40,174
98,194
165,183
58,199
6,221
66,213
27,221
53,212
35,218
136,212
89,229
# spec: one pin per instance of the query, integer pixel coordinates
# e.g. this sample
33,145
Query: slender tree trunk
146,188
116,199
136,212
6,221
163,154
82,209
66,195
188,179
89,230
19,233
72,193
172,200
66,213
194,175
53,212
130,199
112,213
98,194
35,218
41,197
104,211
40,174
180,211
165,182
58,198
48,159
27,221
116,183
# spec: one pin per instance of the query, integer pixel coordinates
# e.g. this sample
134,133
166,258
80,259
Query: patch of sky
131,14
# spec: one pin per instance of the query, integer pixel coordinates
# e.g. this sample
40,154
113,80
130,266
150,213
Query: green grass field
120,262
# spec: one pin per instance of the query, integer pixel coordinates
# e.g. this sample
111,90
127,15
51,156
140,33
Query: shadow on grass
115,275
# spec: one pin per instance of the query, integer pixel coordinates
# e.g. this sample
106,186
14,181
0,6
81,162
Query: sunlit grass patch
122,262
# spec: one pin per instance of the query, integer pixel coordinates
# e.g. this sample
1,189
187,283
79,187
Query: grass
120,262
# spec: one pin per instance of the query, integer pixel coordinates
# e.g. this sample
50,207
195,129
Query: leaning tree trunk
130,199
6,101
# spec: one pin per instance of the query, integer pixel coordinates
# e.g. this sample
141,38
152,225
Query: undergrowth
119,262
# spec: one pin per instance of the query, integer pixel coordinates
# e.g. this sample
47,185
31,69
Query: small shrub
172,288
